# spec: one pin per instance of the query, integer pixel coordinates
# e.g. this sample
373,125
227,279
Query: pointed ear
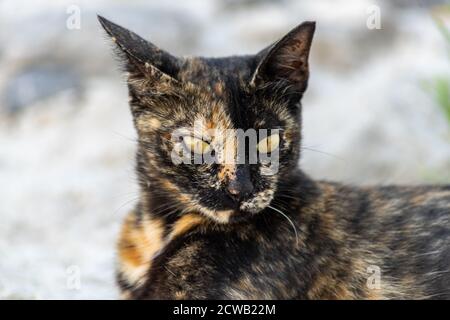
287,59
142,57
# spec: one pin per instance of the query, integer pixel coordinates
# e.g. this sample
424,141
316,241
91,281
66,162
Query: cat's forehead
222,98
219,75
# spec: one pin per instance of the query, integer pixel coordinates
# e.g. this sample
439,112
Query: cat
228,230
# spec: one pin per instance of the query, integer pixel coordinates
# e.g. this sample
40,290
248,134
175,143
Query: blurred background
377,111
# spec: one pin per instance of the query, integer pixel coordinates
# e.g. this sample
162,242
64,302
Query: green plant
440,86
441,92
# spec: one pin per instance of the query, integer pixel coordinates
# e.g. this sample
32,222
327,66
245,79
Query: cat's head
186,112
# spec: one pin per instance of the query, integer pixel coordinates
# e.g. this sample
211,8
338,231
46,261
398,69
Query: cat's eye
269,143
196,145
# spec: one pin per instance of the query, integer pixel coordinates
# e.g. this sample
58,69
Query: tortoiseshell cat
228,231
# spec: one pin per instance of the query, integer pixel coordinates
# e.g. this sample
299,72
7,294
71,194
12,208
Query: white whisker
289,219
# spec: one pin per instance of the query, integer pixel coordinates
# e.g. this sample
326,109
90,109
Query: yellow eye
269,144
196,145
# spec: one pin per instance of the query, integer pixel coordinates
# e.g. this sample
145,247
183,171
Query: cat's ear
287,59
143,59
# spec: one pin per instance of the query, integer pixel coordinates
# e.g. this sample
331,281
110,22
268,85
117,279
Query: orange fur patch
185,223
218,88
137,244
226,173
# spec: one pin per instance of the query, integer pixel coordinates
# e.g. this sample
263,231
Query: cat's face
216,136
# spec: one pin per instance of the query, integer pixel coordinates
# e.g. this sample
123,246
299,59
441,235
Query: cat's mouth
240,210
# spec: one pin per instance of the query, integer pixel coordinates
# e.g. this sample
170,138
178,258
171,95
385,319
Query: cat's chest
228,265
265,259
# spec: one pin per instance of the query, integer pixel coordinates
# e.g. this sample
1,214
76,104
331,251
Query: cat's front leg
143,240
140,239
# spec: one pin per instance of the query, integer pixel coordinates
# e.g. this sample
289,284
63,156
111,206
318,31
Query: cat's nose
239,190
241,186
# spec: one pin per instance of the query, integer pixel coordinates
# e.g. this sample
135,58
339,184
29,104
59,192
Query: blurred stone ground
66,142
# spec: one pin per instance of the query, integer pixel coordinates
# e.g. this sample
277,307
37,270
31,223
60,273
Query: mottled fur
290,237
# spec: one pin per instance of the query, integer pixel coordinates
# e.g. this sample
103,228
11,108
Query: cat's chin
229,216
219,216
226,216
